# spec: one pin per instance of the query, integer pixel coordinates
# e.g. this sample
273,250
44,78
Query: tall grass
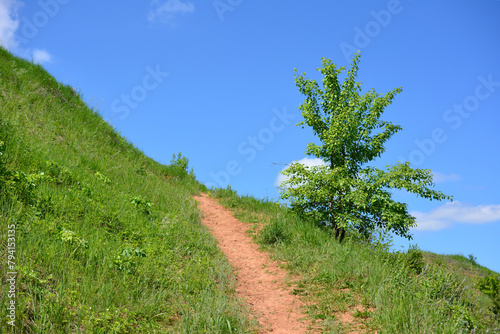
107,240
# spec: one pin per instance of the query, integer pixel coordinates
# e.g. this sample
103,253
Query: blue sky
215,81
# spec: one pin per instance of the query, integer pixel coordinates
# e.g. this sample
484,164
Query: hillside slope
95,236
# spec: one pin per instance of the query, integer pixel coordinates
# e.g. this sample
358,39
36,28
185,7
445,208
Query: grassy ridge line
391,292
107,240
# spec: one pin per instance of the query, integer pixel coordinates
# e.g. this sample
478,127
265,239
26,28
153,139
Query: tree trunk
339,233
342,235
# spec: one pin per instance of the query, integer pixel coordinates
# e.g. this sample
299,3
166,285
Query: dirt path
259,279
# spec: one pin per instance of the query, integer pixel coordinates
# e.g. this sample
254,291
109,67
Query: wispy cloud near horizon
441,177
456,212
165,12
9,23
41,56
305,161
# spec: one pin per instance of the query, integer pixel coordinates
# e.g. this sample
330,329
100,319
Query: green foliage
60,175
109,321
490,285
141,171
179,166
102,178
71,238
344,193
275,233
125,260
496,305
180,162
22,185
472,259
415,259
141,205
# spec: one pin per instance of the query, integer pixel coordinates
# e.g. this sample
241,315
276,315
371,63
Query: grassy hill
106,239
103,239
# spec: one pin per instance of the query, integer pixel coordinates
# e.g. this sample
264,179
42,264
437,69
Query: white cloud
166,12
41,56
306,161
440,177
9,23
456,212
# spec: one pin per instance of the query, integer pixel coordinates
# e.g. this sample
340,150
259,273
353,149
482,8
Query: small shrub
125,260
179,166
180,161
52,168
496,305
109,321
23,185
71,238
102,178
275,233
489,284
141,171
415,259
141,205
62,176
472,258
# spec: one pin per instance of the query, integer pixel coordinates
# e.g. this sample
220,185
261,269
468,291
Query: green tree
345,193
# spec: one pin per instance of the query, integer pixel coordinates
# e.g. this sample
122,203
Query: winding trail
259,279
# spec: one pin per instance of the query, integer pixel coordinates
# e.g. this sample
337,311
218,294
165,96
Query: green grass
107,240
391,292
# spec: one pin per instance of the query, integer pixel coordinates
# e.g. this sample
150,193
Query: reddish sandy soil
259,279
